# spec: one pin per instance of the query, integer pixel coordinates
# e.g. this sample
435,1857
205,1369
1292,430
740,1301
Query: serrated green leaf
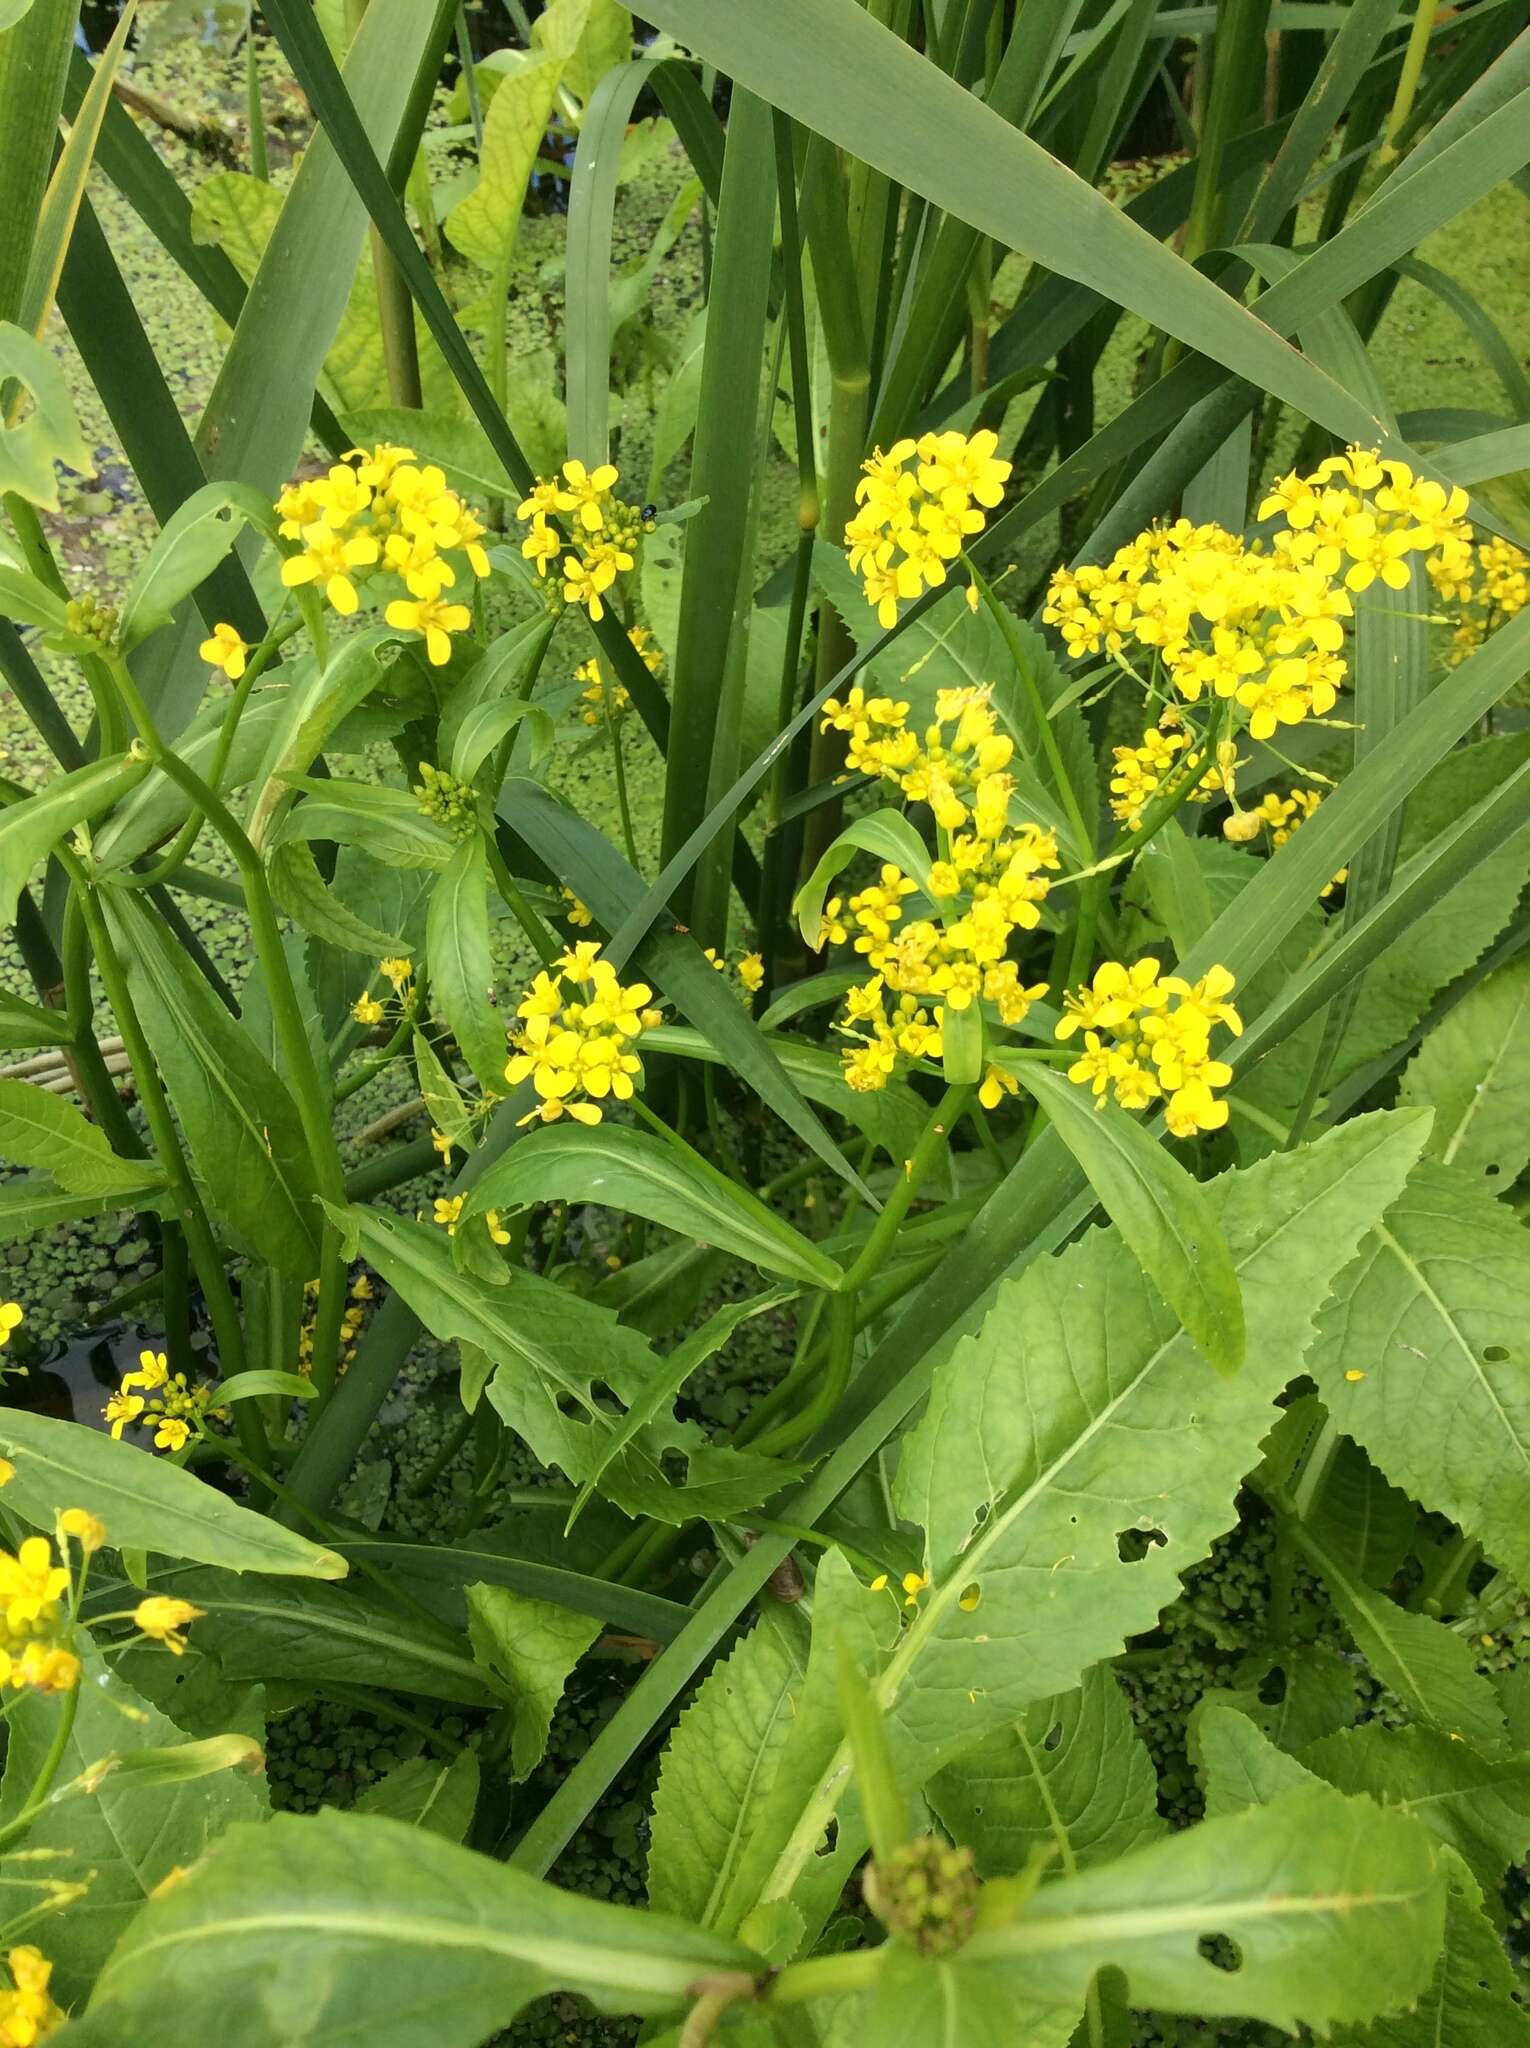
1238,1765
636,1172
127,1836
1473,1070
461,964
146,1503
39,1129
1428,1666
426,1793
1334,1907
302,892
418,1942
1070,1777
29,828
1166,1217
1479,1806
551,1350
532,1646
1432,1315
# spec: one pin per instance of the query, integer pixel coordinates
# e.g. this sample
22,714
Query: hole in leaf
1221,1951
830,1838
1132,1545
968,1598
1272,1687
1489,1170
1053,1736
980,1513
1495,1354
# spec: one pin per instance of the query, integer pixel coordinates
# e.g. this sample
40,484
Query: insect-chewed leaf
1474,1070
1359,1925
1071,1776
1430,1317
532,1646
373,1929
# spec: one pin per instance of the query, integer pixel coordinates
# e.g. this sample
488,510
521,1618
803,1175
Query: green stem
260,166
1408,78
42,1784
544,942
619,767
402,1033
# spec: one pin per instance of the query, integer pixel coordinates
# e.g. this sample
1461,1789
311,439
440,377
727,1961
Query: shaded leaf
532,1646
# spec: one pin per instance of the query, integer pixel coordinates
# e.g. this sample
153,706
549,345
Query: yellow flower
583,583
497,1232
997,1083
447,1209
542,545
396,970
44,1667
328,559
442,1143
586,492
84,1527
367,1010
30,1586
225,650
10,1318
164,1618
28,2013
437,621
751,972
171,1433
122,1409
7,1471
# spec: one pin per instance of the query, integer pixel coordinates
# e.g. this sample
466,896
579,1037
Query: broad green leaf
663,1289
723,1753
551,1351
532,1646
918,2001
1474,1071
1428,1666
48,432
387,823
242,1127
194,540
461,965
503,672
27,601
31,1203
362,1928
1166,1216
605,40
302,892
1358,1907
39,1129
1480,1806
145,1502
312,709
259,1629
426,1793
1420,1357
25,1027
888,835
1473,1998
1069,1777
1237,1763
1077,1443
637,1172
29,828
129,1834
484,226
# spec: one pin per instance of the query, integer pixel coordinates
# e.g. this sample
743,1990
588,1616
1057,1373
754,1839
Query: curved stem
42,1784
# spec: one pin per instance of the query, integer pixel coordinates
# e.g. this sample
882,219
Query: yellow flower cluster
1488,583
1283,814
399,974
918,506
578,1027
604,704
1263,627
1146,1037
167,1403
988,882
447,1211
31,1587
27,2011
380,509
1141,772
352,1321
605,531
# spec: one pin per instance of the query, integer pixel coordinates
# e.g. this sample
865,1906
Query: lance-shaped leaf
39,1129
1165,1215
426,1793
158,807
128,1834
1474,1070
26,1026
375,1930
29,828
1075,1455
195,539
1421,1357
388,823
887,834
1333,1907
461,966
1070,1777
501,673
242,1127
302,892
32,1202
145,1502
632,1170
551,1351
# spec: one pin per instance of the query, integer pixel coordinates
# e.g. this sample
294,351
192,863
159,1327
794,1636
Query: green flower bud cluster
926,1894
623,524
92,620
451,803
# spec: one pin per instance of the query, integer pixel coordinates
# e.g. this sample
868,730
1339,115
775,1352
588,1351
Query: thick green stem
1408,78
259,163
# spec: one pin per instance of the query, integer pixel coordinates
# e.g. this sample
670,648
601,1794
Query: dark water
73,1380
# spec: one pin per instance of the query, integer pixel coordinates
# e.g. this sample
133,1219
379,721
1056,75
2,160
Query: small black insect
649,514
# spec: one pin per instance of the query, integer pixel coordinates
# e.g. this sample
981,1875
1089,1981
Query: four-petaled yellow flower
225,650
435,619
164,1619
